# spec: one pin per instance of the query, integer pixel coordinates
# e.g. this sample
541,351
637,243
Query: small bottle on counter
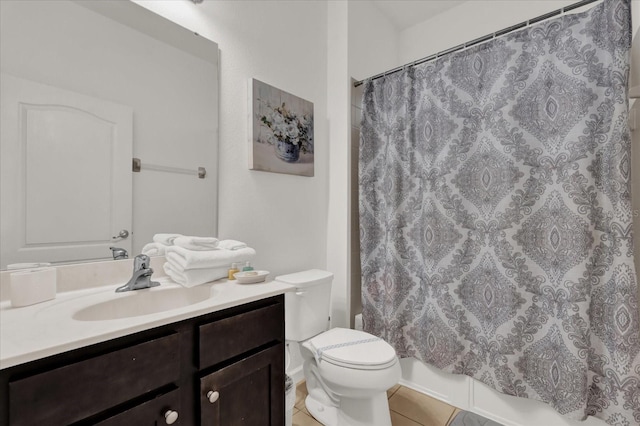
233,270
247,267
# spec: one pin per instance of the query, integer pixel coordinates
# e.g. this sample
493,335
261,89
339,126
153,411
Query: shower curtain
495,214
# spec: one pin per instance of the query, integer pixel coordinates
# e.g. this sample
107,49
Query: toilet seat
352,349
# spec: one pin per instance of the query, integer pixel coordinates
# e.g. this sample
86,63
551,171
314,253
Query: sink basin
143,302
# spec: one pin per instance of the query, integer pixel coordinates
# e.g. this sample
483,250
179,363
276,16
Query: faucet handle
118,253
141,261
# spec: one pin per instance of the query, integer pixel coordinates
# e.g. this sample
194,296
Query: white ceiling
406,13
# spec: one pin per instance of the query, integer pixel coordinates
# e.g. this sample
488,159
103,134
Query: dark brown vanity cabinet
223,368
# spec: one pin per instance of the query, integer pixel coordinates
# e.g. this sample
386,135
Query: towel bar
137,166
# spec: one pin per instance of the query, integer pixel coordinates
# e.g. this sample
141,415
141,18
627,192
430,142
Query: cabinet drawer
150,413
228,337
76,391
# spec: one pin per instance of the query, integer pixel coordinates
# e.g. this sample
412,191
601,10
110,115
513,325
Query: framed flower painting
280,131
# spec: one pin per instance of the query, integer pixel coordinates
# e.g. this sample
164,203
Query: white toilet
347,371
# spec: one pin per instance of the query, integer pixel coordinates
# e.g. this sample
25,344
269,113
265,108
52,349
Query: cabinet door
250,392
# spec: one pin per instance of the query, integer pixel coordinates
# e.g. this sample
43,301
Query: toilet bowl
347,371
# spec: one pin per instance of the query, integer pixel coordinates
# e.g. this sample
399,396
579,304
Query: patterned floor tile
400,420
453,415
408,408
301,419
301,394
393,390
420,408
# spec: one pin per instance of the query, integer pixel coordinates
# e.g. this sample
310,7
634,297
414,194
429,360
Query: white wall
339,91
466,22
373,40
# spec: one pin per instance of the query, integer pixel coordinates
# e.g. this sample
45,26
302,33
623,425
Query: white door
65,164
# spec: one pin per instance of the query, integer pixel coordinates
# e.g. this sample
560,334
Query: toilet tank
307,306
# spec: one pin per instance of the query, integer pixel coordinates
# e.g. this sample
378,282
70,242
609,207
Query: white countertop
37,331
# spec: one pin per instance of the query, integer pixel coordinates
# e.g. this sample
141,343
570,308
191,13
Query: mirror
87,86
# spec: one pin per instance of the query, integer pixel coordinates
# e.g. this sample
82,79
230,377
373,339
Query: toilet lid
352,348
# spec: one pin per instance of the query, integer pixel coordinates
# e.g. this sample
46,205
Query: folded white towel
166,239
153,249
194,277
231,245
181,258
196,243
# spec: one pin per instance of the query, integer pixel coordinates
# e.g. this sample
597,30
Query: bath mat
466,418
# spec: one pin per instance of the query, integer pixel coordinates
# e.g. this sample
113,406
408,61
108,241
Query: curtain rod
480,39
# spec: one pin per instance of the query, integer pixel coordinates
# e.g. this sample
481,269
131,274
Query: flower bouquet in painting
280,131
291,133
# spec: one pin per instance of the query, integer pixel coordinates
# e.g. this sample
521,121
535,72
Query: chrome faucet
119,253
141,275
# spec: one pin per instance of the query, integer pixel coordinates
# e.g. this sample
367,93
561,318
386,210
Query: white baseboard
425,390
471,395
296,374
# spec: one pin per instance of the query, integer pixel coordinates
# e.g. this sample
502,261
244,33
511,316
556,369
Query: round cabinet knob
213,396
170,417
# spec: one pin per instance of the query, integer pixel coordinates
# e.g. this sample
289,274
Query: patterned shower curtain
495,214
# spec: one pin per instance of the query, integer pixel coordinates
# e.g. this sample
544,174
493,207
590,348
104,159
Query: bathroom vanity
219,361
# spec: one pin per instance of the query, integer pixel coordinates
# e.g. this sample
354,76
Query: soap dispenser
247,267
234,268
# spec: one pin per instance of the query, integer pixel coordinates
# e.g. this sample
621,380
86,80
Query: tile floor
408,408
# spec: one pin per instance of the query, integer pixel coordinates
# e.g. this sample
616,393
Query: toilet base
365,412
352,412
325,414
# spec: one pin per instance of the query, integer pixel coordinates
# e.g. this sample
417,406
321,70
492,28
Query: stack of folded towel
196,260
159,244
161,241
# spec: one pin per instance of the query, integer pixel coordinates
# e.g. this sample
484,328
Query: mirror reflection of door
66,174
